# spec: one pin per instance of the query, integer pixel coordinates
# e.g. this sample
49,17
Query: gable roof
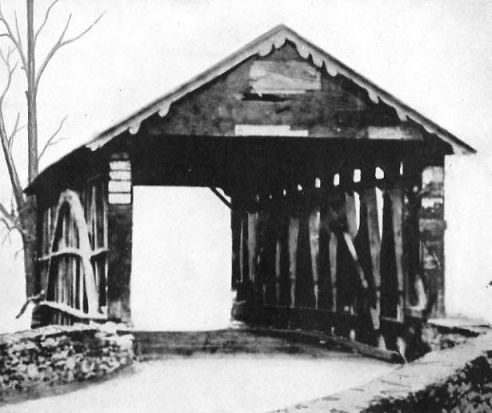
262,46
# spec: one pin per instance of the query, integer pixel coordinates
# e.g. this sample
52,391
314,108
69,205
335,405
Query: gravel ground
222,383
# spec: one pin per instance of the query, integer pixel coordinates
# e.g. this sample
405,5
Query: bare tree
21,216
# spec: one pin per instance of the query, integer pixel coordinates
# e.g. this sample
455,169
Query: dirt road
240,383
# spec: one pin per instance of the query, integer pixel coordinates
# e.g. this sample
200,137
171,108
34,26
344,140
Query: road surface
208,383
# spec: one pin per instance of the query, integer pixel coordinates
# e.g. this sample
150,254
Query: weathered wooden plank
278,268
415,299
304,277
353,253
283,77
265,285
351,213
371,204
283,255
319,337
364,303
67,309
396,196
333,247
406,133
324,280
271,265
243,248
236,248
120,222
252,246
293,244
374,235
75,251
374,313
92,216
314,234
390,297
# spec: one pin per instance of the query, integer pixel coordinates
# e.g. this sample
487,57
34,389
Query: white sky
436,56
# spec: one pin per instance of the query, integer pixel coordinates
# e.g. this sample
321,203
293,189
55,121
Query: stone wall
457,379
37,359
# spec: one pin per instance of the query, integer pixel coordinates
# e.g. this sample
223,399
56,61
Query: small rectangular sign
120,198
393,133
268,130
120,186
120,175
119,165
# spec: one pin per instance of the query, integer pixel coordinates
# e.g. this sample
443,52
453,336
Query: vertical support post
396,196
120,226
293,241
371,204
397,210
278,225
351,294
278,269
252,246
314,228
351,210
333,269
415,296
328,192
236,247
243,248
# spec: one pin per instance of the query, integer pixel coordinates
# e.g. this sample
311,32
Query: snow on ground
240,383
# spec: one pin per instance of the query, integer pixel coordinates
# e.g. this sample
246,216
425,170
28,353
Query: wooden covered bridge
335,189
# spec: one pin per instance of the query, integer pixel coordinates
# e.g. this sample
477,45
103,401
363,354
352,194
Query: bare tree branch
8,218
73,39
19,37
16,254
46,17
5,139
14,132
11,36
13,174
60,43
10,71
11,221
7,236
52,141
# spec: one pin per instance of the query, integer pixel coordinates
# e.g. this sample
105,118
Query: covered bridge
335,190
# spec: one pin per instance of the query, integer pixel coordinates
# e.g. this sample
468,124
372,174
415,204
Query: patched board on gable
283,77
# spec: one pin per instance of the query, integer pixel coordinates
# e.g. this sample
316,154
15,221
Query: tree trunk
28,212
28,222
32,128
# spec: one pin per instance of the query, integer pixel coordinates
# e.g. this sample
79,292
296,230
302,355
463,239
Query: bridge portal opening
181,266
